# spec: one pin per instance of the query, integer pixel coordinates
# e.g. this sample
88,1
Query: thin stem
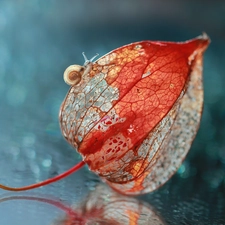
45,182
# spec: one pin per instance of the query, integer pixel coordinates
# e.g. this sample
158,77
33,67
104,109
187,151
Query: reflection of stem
45,182
68,210
55,203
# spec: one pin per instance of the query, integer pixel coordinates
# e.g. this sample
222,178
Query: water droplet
184,170
35,168
29,140
47,162
30,153
14,151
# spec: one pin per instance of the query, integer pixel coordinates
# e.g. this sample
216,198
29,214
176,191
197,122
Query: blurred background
39,39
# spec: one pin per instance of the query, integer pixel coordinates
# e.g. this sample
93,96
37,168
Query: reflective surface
38,40
101,206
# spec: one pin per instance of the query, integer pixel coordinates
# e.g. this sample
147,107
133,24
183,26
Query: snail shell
73,74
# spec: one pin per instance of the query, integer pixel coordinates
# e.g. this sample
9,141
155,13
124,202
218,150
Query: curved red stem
45,182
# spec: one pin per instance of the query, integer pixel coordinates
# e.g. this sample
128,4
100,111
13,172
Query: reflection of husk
106,207
101,207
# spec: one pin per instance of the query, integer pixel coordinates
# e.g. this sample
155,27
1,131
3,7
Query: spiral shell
73,74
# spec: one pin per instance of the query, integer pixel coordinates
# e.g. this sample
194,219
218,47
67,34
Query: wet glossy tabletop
38,40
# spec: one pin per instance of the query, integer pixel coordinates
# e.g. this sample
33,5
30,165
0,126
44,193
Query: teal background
39,39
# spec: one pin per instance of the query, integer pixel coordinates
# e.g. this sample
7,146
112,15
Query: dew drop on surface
47,162
14,151
181,170
30,153
29,140
35,168
184,170
91,184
